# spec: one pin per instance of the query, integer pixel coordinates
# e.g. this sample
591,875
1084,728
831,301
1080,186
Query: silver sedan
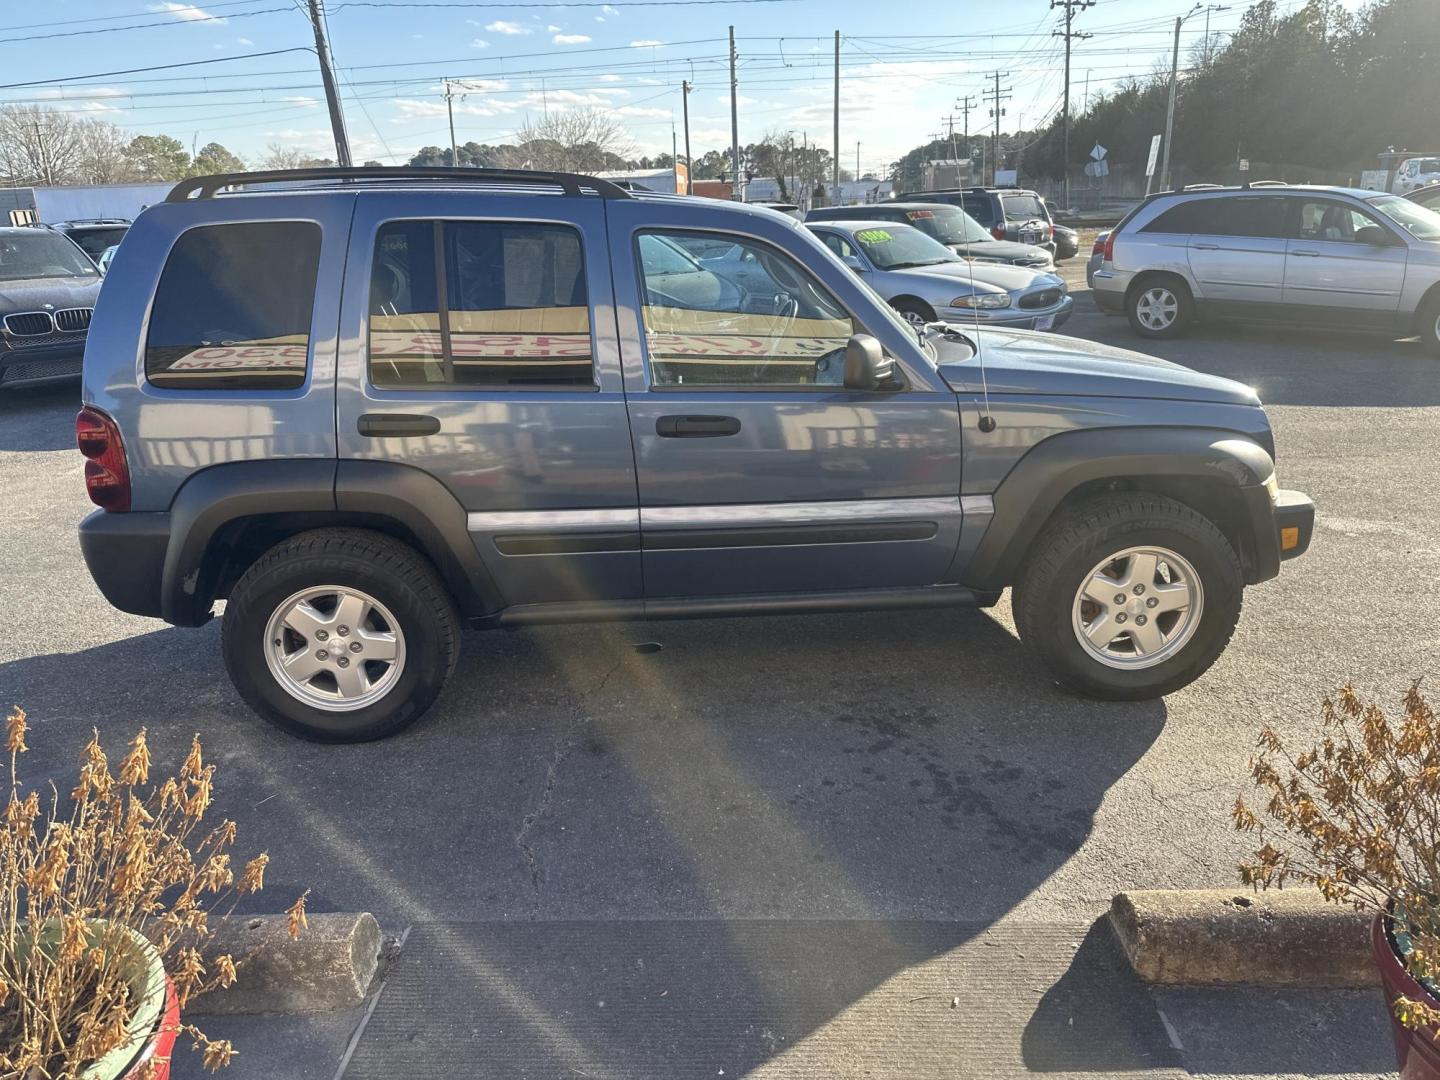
927,282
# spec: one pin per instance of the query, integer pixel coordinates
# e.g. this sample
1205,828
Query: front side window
1322,221
753,319
503,306
38,254
232,310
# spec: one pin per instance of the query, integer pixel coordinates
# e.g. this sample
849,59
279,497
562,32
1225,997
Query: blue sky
899,76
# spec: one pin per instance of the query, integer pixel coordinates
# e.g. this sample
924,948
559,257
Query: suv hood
1026,362
32,294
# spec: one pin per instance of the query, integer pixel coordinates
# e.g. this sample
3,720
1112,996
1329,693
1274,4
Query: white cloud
186,12
478,43
639,111
740,99
599,18
243,41
647,81
502,26
302,99
610,78
570,39
90,92
552,28
608,10
646,43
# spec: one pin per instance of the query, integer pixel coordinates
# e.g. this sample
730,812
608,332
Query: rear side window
504,305
1252,216
1192,216
233,307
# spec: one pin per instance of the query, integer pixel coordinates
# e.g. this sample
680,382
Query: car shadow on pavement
39,417
880,770
1290,365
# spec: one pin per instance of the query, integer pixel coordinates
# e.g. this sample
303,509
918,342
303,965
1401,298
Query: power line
1069,34
196,21
154,67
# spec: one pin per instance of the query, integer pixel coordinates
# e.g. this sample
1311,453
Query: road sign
1099,152
1154,153
1244,164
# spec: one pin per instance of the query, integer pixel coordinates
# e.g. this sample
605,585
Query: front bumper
42,363
1281,525
1053,317
1294,522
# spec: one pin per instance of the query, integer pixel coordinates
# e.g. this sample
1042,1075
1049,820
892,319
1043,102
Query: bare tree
38,145
278,156
102,158
571,140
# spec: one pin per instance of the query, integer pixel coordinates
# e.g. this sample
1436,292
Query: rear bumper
42,363
125,554
1108,292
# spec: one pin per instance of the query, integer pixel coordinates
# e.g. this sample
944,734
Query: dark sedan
48,288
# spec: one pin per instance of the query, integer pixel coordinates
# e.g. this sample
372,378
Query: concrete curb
329,966
1220,937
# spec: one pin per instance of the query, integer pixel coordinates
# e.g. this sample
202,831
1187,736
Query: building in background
940,175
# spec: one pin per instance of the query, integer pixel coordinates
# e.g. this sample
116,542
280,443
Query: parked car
948,224
105,257
1416,172
1067,242
582,439
93,235
1009,213
47,292
1319,256
1428,196
1097,257
788,209
926,282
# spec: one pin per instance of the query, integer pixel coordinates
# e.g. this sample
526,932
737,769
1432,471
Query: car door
758,471
1236,249
1342,264
477,347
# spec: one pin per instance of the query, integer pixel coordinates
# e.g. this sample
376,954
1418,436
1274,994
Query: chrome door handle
1306,254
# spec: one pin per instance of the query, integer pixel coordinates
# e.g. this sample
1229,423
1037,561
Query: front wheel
340,635
1129,597
915,313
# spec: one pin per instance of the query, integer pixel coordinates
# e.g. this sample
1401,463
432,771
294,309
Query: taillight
107,474
998,231
1099,246
1110,246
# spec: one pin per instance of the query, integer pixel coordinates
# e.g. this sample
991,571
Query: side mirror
1373,235
867,367
853,262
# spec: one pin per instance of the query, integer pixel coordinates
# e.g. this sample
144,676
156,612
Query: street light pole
1165,179
332,94
689,165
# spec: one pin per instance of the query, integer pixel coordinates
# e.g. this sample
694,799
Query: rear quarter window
232,310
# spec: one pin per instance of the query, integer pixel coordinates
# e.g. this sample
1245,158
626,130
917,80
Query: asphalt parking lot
877,772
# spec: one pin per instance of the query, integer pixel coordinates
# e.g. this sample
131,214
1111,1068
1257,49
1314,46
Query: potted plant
1362,809
107,900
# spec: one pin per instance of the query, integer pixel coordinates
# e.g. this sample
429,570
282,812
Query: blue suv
368,407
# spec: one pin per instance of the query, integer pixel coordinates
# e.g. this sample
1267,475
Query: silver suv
1342,257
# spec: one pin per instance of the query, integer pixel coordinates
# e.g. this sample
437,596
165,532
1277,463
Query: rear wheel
1159,307
340,635
1129,596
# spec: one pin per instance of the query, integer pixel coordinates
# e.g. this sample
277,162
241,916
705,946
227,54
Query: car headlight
982,300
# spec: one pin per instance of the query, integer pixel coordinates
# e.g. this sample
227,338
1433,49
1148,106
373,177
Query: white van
1416,172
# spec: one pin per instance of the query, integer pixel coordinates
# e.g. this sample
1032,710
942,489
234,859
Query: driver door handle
696,427
1306,254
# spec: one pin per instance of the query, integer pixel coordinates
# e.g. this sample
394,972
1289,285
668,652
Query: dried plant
1364,808
77,876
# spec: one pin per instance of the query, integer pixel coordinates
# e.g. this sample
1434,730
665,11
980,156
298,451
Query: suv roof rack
205,187
1201,187
1264,183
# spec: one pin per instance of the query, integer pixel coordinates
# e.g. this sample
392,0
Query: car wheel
340,635
1430,325
1159,308
1129,597
914,312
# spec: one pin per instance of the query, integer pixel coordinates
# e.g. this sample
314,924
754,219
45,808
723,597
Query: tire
914,312
1150,298
1429,320
1051,610
301,575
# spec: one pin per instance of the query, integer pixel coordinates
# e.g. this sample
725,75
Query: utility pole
996,97
332,94
1170,108
836,200
689,165
450,110
44,157
735,192
965,104
1071,7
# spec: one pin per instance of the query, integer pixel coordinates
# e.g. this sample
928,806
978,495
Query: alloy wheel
1137,608
1157,308
334,648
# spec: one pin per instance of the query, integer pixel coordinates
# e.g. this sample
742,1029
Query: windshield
1427,165
948,224
897,247
41,255
1418,221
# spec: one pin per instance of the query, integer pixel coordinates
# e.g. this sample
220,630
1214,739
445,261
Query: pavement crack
565,743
